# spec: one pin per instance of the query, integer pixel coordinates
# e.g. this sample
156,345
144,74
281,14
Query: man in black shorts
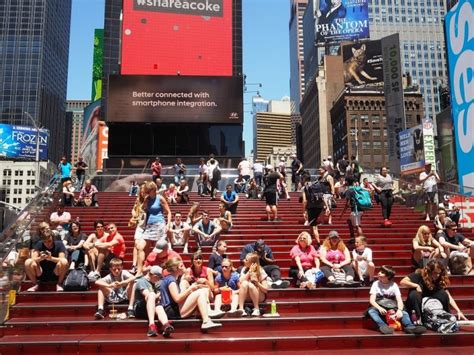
146,302
270,193
296,172
313,205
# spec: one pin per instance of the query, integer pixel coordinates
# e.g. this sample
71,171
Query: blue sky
265,50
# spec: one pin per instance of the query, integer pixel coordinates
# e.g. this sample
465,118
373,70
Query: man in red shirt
110,246
159,255
156,169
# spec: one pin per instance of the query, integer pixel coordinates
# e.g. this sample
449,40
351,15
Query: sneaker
93,276
278,219
167,330
209,325
152,331
256,313
415,329
130,313
100,314
280,284
215,314
33,288
385,329
235,313
59,288
133,270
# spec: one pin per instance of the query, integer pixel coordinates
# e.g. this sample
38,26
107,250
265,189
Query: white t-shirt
244,168
178,238
389,290
367,253
258,168
429,183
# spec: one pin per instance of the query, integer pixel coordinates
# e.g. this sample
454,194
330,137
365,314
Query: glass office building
34,51
420,25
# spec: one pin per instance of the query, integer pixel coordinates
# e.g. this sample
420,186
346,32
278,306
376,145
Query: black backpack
314,194
216,174
76,280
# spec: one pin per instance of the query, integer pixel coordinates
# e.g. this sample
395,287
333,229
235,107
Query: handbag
387,303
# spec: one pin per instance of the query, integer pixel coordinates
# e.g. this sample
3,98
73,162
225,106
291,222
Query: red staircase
323,320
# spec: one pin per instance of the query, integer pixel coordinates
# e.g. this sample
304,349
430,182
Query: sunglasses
225,266
99,227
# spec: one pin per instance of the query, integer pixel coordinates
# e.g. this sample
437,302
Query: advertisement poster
429,142
186,37
412,155
363,64
91,117
342,20
460,47
97,64
175,99
19,142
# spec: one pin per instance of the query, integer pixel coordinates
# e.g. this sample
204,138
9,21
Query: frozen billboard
459,24
19,142
342,20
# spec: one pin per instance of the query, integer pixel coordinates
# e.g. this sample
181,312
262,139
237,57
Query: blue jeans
178,178
376,317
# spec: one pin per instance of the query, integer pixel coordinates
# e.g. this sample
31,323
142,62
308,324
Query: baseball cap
259,243
269,167
333,234
160,245
293,155
156,270
329,157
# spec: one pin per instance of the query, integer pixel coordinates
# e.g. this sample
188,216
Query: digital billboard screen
175,99
460,48
167,37
341,20
363,64
19,142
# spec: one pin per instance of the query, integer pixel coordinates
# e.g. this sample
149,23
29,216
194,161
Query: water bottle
413,317
273,308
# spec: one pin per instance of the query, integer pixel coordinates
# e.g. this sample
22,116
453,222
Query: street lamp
37,181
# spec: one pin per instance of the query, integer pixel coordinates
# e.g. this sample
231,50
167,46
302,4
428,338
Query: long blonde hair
419,236
138,210
253,258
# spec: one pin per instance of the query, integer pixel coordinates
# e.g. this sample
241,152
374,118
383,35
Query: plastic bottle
413,317
273,308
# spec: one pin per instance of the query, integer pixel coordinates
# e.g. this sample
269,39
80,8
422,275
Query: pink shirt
335,256
307,256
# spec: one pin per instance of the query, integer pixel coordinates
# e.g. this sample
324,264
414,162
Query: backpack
315,193
436,318
76,280
216,174
362,199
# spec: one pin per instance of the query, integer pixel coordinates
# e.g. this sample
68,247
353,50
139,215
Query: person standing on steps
258,172
429,180
270,193
214,176
313,206
355,219
296,172
65,169
80,168
156,170
384,186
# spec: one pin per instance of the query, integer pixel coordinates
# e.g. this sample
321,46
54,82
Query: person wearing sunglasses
458,248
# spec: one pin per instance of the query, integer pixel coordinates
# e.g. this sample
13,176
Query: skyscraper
297,77
419,23
34,51
297,72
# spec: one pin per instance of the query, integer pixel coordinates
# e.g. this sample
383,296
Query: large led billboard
363,64
136,98
342,20
19,142
185,37
459,26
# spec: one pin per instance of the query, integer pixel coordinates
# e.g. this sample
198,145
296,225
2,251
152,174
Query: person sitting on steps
385,294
